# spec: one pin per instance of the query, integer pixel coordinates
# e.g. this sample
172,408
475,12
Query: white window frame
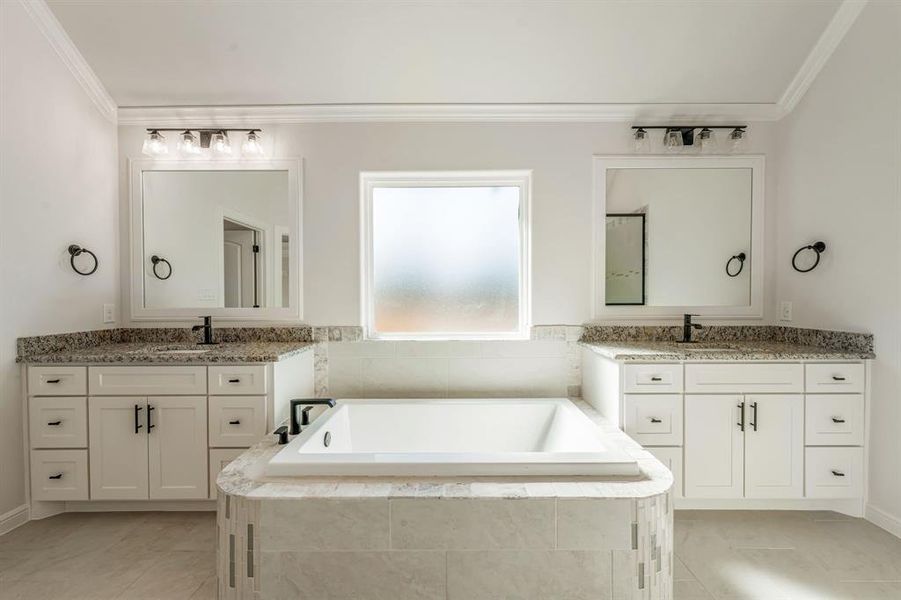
371,180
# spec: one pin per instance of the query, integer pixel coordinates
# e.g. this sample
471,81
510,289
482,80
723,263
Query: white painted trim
819,55
140,505
14,518
65,48
884,519
846,506
166,116
136,167
601,313
514,178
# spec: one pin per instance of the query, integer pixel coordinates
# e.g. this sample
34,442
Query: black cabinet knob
837,420
236,380
655,420
838,473
54,423
53,381
235,422
57,476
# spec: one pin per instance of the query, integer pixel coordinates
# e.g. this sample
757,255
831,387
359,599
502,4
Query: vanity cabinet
150,432
773,432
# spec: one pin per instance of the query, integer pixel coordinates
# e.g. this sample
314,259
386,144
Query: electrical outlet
109,313
785,311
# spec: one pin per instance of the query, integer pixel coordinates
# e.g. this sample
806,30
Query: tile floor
722,555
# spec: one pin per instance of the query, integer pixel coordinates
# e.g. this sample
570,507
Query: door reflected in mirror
226,234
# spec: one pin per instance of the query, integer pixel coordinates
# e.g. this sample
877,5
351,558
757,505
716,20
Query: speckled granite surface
245,477
727,342
712,350
143,345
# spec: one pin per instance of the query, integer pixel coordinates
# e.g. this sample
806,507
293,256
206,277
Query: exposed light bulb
187,144
155,144
672,140
737,138
220,144
252,146
707,140
641,142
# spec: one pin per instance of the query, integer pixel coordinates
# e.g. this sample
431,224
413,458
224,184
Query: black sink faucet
207,331
687,326
308,403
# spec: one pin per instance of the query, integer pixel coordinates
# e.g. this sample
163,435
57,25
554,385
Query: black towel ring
740,257
818,247
157,260
76,250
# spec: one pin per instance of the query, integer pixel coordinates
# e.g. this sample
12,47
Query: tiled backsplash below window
548,365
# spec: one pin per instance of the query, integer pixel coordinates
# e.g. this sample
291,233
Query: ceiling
195,53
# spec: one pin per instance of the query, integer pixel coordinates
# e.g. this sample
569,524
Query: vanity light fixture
195,141
155,144
188,144
640,136
702,137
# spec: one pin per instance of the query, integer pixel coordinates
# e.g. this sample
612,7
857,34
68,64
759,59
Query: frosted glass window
446,261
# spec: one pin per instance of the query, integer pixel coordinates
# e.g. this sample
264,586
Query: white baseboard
885,520
13,518
852,506
140,505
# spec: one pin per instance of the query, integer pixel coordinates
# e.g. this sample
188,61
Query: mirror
216,241
678,233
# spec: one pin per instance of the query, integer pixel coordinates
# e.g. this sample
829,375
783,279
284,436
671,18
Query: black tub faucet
687,326
207,331
308,403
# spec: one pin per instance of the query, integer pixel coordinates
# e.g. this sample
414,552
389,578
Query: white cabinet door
117,439
178,447
672,458
714,446
774,446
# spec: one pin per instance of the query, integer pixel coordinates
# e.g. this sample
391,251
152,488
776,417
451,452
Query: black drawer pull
54,423
838,473
235,422
838,378
236,380
655,378
837,420
53,381
655,420
57,476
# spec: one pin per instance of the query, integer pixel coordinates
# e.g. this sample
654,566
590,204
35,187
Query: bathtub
451,437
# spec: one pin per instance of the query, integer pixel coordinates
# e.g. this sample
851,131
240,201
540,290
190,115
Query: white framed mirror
678,234
220,238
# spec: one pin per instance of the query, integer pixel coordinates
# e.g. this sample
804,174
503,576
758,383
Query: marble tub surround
143,345
726,342
463,538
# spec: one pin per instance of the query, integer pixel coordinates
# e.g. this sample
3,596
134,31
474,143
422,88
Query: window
445,255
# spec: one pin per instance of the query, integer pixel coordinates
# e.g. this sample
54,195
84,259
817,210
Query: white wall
840,181
58,167
560,156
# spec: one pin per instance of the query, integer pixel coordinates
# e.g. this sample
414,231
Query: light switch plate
109,313
785,311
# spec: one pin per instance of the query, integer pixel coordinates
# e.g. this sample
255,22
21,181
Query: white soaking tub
504,436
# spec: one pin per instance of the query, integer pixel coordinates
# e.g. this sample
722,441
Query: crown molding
831,37
443,113
47,23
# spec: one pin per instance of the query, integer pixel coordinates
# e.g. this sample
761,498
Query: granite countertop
155,353
727,350
245,476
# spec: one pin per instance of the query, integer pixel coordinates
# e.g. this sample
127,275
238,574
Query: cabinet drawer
237,422
651,378
672,459
219,459
654,419
834,472
59,474
58,422
842,378
248,379
145,380
718,378
834,420
57,381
